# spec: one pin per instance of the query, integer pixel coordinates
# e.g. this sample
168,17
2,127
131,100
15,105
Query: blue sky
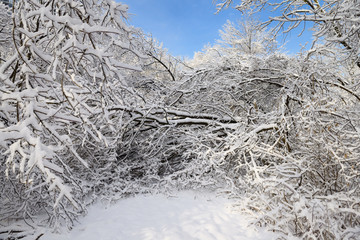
186,26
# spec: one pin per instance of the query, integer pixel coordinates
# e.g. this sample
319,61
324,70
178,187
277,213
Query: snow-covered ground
184,216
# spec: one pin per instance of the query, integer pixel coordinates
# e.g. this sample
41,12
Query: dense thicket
309,186
93,109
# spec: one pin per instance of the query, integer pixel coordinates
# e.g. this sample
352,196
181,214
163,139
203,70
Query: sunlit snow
183,216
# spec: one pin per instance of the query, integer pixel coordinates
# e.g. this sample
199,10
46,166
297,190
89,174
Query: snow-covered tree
79,120
246,37
5,32
70,64
285,151
240,43
335,21
302,171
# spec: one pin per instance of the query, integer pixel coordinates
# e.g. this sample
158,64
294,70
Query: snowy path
188,216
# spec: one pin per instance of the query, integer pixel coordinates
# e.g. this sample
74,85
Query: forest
93,108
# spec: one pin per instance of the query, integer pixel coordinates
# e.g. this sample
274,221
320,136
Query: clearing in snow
184,216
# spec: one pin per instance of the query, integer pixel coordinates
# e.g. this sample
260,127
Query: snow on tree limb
67,54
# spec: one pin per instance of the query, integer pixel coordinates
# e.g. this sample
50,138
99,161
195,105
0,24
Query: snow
186,215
